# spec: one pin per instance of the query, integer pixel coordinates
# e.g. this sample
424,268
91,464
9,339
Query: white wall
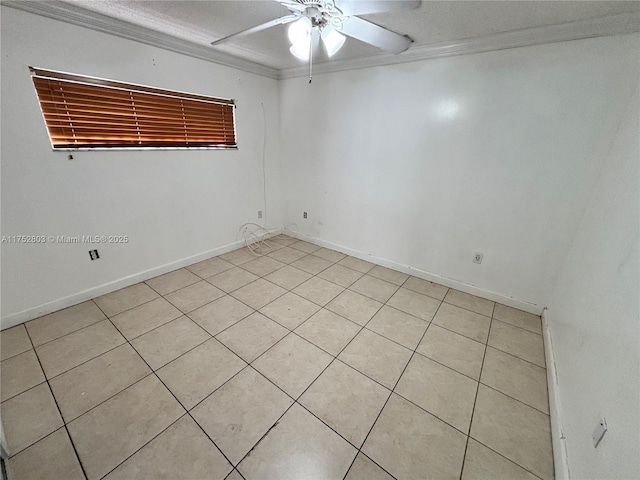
172,204
425,163
594,318
519,154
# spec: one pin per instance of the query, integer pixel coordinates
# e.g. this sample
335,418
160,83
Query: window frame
132,87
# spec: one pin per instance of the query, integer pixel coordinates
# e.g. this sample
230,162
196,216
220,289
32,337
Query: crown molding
610,25
598,27
75,15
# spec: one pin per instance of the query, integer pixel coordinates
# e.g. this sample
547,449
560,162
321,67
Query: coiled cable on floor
255,237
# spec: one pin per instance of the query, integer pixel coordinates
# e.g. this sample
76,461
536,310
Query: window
90,113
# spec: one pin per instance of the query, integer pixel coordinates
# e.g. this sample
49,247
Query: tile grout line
334,358
475,399
64,424
312,276
187,412
392,391
34,346
180,288
517,326
474,410
81,363
239,266
295,400
291,331
107,399
67,371
362,327
14,356
477,381
253,281
358,449
302,323
505,458
128,341
415,351
150,330
28,389
222,384
516,356
249,306
287,291
194,309
465,308
127,309
460,334
147,443
151,372
360,452
182,314
308,273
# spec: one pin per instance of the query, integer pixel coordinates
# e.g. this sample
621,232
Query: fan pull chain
311,59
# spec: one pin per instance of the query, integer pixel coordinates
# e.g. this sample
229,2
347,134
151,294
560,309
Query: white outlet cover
599,432
477,257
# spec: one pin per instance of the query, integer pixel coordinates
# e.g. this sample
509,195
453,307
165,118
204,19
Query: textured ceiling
433,22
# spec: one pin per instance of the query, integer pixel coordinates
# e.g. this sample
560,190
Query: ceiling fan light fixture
300,31
300,51
332,39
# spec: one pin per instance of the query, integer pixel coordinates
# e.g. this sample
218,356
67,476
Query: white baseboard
59,304
558,439
93,292
447,282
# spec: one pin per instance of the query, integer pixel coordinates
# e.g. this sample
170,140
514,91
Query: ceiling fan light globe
300,51
332,40
299,31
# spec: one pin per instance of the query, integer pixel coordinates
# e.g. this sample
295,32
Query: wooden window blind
90,113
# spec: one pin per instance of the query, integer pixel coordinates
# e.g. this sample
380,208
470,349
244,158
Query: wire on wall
255,236
264,155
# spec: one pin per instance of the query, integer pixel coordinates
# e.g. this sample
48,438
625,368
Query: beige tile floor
300,363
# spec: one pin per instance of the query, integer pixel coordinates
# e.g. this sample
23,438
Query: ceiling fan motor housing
323,13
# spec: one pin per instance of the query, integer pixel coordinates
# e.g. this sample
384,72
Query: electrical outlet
259,213
93,254
477,257
304,214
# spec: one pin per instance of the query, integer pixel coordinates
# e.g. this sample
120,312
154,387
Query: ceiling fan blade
375,35
365,7
292,5
278,21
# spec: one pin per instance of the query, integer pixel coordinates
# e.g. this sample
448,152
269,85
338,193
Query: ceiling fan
330,20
